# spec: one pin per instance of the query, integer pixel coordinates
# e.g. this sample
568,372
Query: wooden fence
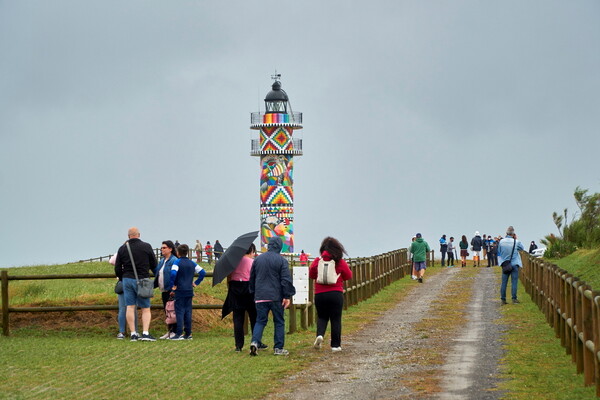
572,308
370,275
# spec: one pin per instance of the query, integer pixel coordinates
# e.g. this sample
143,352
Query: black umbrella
232,256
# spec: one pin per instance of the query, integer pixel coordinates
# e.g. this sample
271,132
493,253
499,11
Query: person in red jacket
329,299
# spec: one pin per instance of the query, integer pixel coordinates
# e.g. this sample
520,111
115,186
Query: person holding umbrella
235,264
239,299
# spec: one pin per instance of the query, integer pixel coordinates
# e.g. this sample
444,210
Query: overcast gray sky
439,117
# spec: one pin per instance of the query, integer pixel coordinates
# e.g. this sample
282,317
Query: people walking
464,250
450,250
329,299
198,250
508,250
419,249
239,299
491,247
476,246
183,284
162,280
443,248
145,261
272,285
413,275
208,250
303,258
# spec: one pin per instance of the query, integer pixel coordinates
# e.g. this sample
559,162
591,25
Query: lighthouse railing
255,148
258,118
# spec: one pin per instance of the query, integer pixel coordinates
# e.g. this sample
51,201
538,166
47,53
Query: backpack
326,274
170,312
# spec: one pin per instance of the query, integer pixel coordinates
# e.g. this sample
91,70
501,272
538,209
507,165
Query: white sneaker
318,342
336,349
165,336
171,335
413,277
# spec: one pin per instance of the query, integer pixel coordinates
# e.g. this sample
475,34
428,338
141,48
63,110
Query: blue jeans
514,275
262,317
131,297
122,315
183,312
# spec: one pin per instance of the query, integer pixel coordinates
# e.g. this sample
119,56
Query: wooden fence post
5,321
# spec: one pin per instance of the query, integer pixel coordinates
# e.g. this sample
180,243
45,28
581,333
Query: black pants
329,308
165,298
238,323
443,256
450,258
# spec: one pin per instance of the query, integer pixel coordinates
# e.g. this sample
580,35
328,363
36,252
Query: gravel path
367,368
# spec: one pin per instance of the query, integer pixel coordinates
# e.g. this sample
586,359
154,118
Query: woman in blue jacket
162,279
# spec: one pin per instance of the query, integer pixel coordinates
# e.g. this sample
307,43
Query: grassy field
89,363
536,365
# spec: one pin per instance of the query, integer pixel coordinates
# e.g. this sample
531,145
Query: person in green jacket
419,249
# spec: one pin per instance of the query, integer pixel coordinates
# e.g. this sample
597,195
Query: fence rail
370,275
572,309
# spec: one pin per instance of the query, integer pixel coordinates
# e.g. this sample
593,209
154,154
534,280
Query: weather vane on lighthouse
276,148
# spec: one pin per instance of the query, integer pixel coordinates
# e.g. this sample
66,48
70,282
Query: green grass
536,365
91,364
79,291
584,264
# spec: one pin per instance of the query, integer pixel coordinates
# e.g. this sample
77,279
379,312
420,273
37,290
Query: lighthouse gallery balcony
258,119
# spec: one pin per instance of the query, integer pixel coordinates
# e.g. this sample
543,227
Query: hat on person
476,233
418,235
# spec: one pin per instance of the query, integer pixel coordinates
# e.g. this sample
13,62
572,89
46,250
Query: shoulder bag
506,265
145,286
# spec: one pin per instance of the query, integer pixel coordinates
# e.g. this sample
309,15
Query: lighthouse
276,147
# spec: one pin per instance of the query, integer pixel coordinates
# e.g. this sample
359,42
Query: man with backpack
271,283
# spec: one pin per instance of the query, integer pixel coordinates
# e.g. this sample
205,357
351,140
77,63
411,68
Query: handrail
572,309
370,275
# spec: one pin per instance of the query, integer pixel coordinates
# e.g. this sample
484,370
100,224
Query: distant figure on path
208,250
183,284
162,280
272,285
464,250
144,259
491,248
303,259
532,247
476,246
329,299
218,251
450,250
505,248
413,276
176,243
419,249
198,250
443,248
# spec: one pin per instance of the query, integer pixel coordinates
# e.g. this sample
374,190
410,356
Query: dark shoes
504,302
420,280
515,301
253,349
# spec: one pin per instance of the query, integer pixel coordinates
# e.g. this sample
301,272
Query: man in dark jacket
145,260
272,285
476,246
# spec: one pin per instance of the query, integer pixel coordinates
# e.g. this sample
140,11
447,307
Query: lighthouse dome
276,94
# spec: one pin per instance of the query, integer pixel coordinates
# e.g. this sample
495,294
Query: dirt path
369,366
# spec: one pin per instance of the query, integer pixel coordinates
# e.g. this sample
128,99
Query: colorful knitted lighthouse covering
276,118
